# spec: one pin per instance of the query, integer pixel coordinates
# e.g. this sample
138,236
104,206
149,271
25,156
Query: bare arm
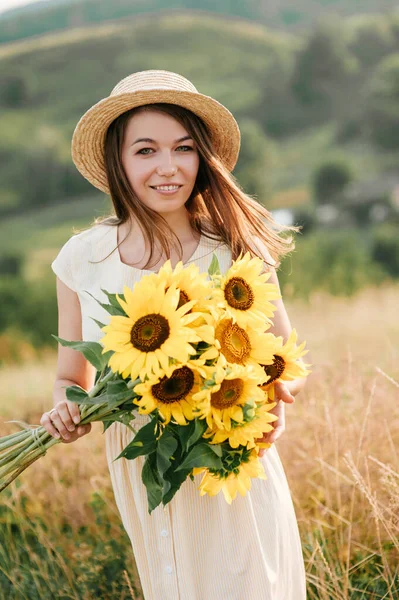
282,326
281,322
72,369
284,390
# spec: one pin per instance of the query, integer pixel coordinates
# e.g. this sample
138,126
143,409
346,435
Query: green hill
47,83
39,18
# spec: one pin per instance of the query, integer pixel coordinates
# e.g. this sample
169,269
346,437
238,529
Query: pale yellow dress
197,547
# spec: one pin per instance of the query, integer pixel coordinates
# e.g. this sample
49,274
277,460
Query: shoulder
88,242
70,263
82,241
91,235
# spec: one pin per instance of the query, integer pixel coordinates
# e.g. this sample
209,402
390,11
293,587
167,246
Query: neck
178,221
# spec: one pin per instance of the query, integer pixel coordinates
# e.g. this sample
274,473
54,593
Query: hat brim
89,135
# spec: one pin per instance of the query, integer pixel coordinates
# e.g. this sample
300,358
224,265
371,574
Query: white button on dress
199,547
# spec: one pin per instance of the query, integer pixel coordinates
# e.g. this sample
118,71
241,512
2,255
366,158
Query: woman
164,153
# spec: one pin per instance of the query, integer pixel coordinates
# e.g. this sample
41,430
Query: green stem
13,439
19,460
21,467
7,482
33,448
98,409
100,384
14,452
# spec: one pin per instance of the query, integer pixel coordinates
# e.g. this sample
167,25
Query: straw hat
148,87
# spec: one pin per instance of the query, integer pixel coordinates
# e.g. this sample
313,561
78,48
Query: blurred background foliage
313,85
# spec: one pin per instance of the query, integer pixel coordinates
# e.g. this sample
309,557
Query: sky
7,4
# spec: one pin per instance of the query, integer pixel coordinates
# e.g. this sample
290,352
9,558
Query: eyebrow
149,140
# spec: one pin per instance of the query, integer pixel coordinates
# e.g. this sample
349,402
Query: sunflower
238,480
172,395
244,296
256,423
192,284
245,345
153,330
286,365
224,397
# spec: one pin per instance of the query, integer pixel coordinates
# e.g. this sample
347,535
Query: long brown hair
218,207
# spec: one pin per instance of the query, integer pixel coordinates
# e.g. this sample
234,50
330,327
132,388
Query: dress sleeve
63,264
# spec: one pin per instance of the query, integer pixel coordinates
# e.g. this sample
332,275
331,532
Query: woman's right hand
63,423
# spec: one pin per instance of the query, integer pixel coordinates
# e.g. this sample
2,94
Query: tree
256,155
330,179
382,112
324,66
372,39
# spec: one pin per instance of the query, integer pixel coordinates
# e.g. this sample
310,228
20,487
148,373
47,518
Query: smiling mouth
166,188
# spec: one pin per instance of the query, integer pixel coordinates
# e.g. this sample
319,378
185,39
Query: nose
167,167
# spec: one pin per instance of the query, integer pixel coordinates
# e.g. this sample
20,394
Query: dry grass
340,449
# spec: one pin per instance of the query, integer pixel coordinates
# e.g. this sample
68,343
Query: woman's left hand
282,395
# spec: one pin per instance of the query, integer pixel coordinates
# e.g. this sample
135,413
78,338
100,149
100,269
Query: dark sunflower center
235,343
276,369
150,332
183,298
229,394
174,388
239,294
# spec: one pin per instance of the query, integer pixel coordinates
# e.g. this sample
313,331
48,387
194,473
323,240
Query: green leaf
117,392
201,455
97,377
110,308
92,351
184,433
199,429
149,477
75,393
113,300
112,401
217,448
214,267
176,480
173,479
121,416
144,442
166,447
101,325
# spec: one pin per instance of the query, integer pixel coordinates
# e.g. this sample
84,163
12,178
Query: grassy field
60,529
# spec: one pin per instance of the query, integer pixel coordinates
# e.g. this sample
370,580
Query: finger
83,429
48,426
65,415
74,411
59,425
286,396
276,434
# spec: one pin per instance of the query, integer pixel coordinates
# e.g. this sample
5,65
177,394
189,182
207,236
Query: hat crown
153,80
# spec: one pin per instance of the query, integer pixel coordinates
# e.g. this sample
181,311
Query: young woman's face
155,154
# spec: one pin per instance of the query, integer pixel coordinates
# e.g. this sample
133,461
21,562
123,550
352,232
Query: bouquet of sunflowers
191,350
